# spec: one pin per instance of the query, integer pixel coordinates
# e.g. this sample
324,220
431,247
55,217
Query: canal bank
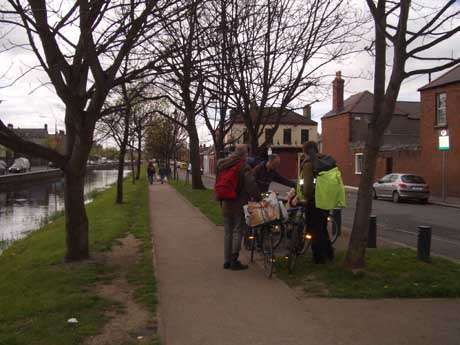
26,206
40,292
31,176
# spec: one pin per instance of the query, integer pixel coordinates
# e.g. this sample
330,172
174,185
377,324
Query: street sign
443,143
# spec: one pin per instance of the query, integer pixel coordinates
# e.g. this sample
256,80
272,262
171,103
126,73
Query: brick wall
431,158
289,158
336,139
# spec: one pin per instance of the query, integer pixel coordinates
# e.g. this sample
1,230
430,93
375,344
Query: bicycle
268,236
300,238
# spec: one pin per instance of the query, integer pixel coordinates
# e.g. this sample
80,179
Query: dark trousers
317,225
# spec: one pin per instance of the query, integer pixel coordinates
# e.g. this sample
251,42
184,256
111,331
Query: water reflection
25,208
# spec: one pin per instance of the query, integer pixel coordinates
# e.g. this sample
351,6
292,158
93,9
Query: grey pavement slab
202,304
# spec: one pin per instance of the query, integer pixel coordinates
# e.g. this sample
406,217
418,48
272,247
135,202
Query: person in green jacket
316,218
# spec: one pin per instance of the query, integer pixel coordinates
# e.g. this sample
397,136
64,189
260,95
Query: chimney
337,92
10,126
307,111
46,127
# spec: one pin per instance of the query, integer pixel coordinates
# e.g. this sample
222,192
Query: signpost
443,146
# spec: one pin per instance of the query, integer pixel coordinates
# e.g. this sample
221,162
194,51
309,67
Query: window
268,132
304,136
413,179
287,136
441,119
359,163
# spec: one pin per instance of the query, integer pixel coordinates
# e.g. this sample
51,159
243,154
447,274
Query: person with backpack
234,187
321,188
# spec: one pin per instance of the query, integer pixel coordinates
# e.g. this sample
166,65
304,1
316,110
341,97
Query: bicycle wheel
253,238
332,229
293,247
267,247
278,233
248,238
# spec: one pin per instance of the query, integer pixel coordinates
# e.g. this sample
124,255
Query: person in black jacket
266,173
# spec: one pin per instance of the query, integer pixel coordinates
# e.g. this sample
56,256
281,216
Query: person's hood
225,163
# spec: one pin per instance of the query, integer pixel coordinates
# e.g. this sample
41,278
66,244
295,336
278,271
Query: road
398,222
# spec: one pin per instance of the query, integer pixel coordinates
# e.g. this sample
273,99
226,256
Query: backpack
329,187
227,181
323,163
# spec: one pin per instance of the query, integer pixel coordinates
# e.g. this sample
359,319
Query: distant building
38,136
294,129
440,114
207,160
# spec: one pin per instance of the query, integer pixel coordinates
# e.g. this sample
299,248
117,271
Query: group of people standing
252,181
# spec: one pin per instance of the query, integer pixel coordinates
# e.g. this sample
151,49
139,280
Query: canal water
25,208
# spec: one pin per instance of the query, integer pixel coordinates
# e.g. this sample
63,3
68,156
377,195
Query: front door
388,165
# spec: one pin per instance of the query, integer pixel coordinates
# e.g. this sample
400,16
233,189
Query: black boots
235,264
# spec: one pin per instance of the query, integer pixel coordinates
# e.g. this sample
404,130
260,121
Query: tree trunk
253,145
194,147
218,152
121,159
76,220
355,257
139,154
121,169
358,238
132,165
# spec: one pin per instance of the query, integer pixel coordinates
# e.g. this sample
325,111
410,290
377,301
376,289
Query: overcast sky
26,104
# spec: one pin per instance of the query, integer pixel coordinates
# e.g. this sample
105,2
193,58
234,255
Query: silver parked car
402,186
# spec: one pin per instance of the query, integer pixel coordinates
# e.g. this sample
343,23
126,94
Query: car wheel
424,201
396,197
374,194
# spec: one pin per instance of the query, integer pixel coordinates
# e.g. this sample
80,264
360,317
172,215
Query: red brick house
441,112
344,131
411,142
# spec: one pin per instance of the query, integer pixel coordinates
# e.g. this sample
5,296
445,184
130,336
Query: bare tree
216,99
116,125
412,32
182,75
165,137
81,47
276,50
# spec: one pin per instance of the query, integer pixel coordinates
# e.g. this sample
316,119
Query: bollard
423,242
372,235
337,216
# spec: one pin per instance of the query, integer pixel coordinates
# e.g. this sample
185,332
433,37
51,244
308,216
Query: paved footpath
202,304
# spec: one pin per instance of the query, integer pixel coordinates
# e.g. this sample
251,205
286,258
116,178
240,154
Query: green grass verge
389,273
39,292
203,199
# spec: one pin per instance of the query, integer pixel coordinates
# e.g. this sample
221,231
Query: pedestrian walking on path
151,172
234,177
